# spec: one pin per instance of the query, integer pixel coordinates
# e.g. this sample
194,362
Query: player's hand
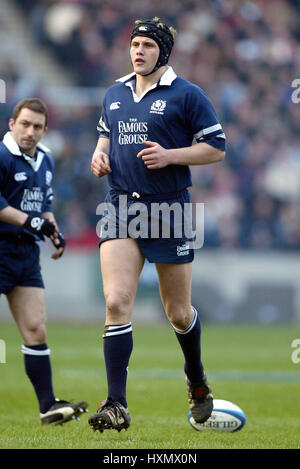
40,226
100,164
155,156
59,243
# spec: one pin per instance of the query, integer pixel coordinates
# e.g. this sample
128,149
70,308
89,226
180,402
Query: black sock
38,369
190,342
117,344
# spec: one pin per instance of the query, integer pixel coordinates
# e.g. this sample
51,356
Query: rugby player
26,172
149,122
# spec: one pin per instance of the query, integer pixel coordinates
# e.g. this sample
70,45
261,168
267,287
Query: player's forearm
102,145
100,164
12,215
198,154
49,216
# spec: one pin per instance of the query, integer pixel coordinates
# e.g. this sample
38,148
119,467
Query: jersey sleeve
103,125
3,201
203,120
49,193
49,199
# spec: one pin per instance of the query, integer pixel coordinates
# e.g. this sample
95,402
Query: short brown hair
34,104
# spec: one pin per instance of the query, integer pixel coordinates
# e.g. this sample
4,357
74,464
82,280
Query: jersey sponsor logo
115,105
32,200
22,176
183,250
158,107
132,131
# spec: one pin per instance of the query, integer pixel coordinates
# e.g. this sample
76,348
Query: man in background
26,172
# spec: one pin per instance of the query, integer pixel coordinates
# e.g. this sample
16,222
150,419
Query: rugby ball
225,417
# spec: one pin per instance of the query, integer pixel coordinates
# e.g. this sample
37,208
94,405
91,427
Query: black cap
161,34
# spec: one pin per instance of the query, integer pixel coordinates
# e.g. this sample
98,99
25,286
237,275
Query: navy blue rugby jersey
174,113
25,183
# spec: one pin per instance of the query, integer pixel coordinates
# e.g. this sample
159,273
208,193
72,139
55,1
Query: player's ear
45,129
11,123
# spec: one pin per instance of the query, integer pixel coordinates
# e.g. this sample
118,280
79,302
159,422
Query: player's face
28,129
144,54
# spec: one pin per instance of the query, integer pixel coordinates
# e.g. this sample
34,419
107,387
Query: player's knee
179,316
119,303
35,333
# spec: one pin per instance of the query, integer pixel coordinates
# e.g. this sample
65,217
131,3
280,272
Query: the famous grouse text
132,131
32,200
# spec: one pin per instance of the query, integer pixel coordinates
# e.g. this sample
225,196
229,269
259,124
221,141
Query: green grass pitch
248,365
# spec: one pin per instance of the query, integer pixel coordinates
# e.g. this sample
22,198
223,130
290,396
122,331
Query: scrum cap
160,33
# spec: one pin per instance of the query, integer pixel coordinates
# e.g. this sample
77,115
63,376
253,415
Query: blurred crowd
245,55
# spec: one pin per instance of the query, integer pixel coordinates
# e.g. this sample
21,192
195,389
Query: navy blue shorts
19,264
158,229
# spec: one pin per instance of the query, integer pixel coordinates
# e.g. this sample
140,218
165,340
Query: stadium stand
245,55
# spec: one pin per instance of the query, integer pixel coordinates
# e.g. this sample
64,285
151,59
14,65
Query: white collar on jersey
14,148
166,79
